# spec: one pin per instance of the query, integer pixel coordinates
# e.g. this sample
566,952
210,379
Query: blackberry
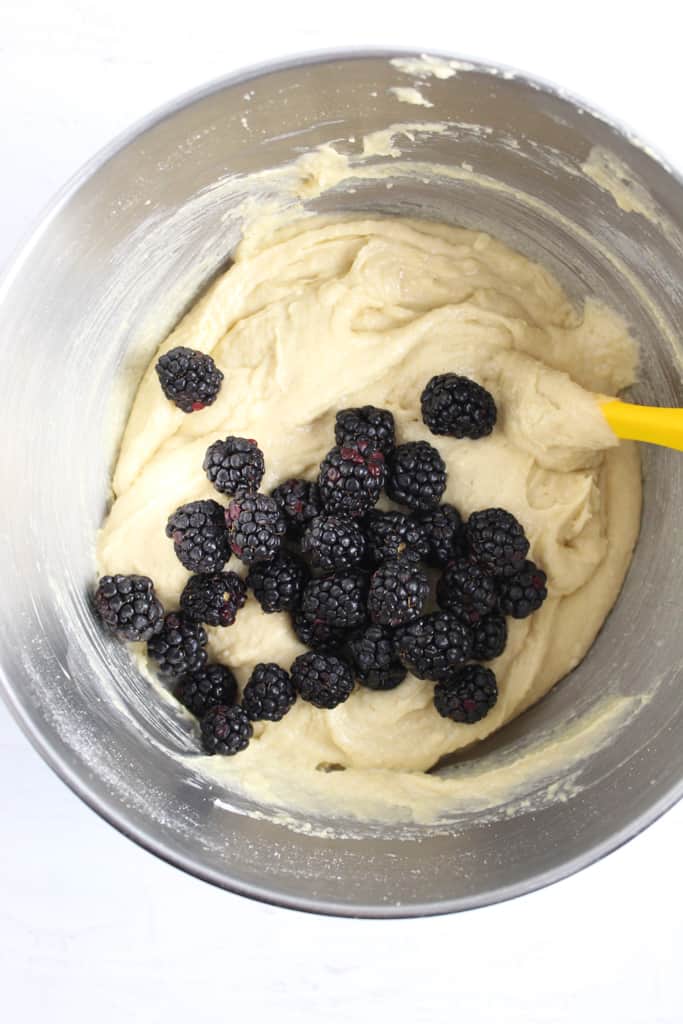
489,638
524,593
458,407
375,658
255,527
434,645
334,542
366,424
214,598
444,530
394,535
179,647
202,690
338,600
416,475
398,591
299,502
225,730
199,536
497,541
467,695
189,378
234,466
315,633
269,694
351,478
129,606
322,679
278,584
465,586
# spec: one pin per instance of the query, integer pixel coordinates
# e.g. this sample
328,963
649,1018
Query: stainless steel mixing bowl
116,259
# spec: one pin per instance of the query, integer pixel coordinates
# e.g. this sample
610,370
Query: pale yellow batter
330,313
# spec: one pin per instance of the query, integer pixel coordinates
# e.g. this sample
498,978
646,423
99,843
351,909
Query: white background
93,928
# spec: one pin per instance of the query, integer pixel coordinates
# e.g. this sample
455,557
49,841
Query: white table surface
93,928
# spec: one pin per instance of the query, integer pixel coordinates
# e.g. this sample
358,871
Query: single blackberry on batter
398,591
339,600
432,646
496,541
351,479
129,606
394,535
179,647
458,407
375,658
234,466
269,694
444,530
465,586
206,688
333,542
299,502
213,598
199,536
467,695
416,475
278,584
315,633
189,378
225,730
366,424
255,527
524,593
322,679
489,637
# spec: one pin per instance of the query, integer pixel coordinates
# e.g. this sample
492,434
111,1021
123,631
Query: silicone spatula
644,422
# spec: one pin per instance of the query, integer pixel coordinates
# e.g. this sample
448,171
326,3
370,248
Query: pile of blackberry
352,578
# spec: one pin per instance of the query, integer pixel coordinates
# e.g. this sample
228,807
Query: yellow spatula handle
645,423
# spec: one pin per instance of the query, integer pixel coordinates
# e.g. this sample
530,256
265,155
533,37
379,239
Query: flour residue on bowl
406,94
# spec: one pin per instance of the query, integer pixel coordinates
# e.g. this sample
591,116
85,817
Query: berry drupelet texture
179,647
299,502
129,607
334,542
458,407
234,466
432,646
206,688
467,695
496,541
444,530
398,591
375,658
316,634
214,598
489,638
322,679
278,584
394,535
351,479
465,588
225,730
269,694
524,593
366,424
255,527
416,475
339,600
199,535
189,379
